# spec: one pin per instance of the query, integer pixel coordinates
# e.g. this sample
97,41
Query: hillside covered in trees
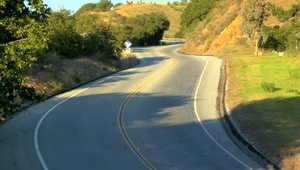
130,10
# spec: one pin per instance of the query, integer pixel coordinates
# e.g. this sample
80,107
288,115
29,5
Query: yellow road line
122,128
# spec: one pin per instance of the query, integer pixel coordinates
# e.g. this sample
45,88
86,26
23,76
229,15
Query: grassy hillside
263,91
139,9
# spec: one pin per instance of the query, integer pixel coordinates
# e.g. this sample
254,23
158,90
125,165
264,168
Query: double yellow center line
122,127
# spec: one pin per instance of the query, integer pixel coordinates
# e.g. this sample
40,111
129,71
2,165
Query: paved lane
167,125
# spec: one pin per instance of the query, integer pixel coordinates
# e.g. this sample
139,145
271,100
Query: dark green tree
23,36
85,8
64,39
104,5
196,11
97,35
147,29
254,14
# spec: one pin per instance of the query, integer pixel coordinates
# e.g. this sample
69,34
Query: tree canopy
23,36
196,11
30,31
147,29
255,14
101,6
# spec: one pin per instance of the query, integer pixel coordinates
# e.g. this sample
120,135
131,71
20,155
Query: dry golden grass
110,17
139,9
273,21
285,4
220,26
50,76
291,161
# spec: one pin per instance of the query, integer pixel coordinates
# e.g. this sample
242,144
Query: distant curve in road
159,115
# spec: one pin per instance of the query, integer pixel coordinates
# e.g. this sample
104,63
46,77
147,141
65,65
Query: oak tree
254,14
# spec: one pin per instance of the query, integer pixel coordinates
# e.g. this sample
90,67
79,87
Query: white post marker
128,44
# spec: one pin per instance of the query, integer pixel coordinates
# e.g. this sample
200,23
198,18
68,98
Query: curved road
158,115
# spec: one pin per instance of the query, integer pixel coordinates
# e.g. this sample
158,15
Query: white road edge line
200,121
36,130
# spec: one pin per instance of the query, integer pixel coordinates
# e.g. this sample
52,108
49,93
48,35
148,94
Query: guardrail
172,40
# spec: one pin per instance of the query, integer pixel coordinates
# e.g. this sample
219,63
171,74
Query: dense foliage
29,30
63,37
102,6
196,11
285,15
147,29
285,38
280,38
84,34
23,37
255,14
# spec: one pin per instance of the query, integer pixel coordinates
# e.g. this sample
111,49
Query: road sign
127,44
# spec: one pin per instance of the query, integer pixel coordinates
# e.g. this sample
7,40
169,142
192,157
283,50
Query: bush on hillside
286,37
102,6
97,36
86,8
285,15
64,39
147,29
196,11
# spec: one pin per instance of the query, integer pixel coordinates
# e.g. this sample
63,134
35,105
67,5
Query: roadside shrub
55,85
268,87
147,29
64,39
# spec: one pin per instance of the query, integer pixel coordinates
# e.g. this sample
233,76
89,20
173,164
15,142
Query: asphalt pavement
160,114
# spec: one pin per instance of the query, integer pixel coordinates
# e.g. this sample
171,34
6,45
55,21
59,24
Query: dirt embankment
55,73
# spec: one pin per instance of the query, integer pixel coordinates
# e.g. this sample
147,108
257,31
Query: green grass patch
265,101
268,87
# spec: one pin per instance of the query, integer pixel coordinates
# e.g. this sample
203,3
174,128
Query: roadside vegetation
172,11
195,12
263,96
260,41
43,52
